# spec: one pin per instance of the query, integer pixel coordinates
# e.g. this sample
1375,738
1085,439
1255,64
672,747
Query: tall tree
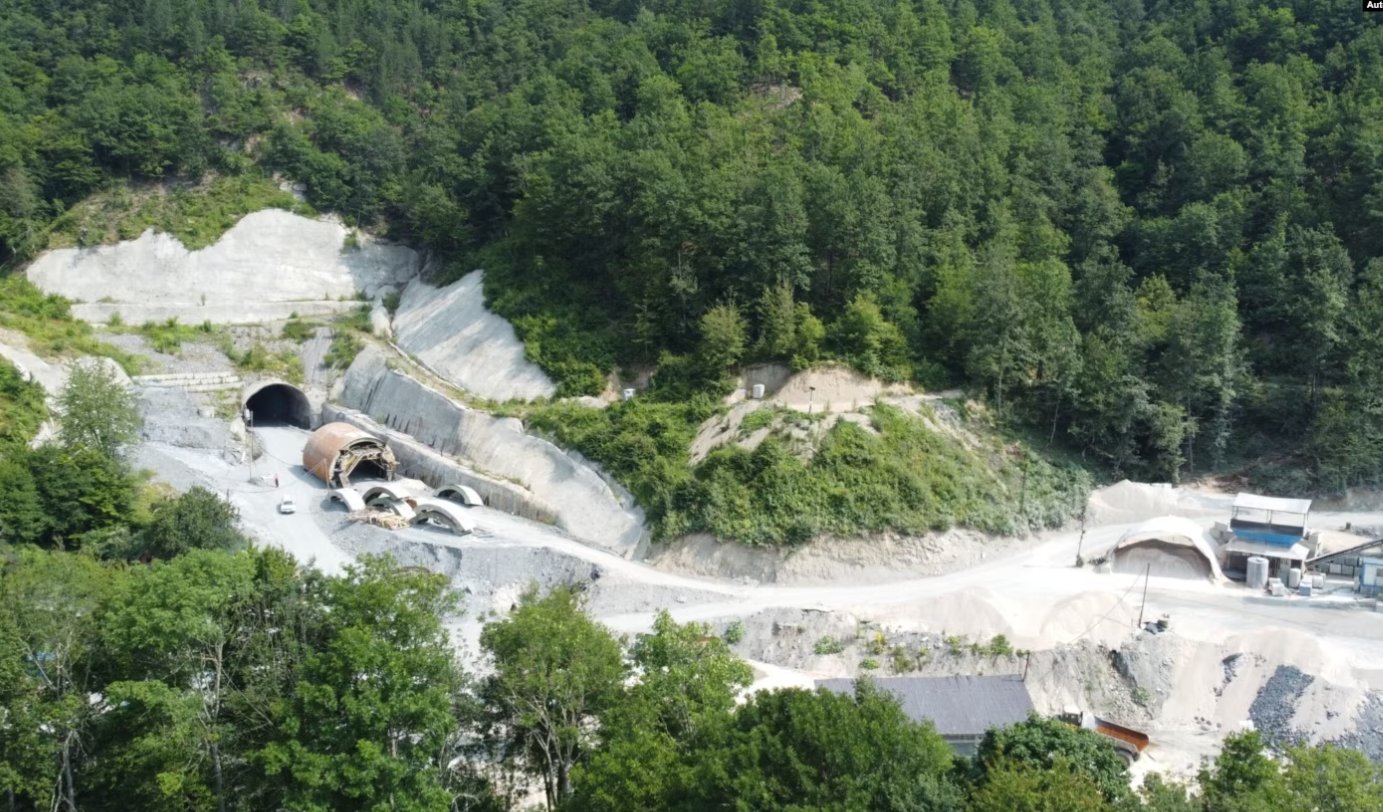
557,674
98,411
794,749
372,703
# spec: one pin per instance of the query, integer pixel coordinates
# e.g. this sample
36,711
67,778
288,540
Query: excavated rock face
272,263
450,330
586,505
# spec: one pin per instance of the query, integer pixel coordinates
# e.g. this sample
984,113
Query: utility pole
1146,575
250,440
1080,562
1023,489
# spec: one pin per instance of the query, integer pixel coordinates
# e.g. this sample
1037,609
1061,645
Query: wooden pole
1080,543
1146,575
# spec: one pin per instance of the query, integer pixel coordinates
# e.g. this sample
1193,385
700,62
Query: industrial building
1269,528
961,708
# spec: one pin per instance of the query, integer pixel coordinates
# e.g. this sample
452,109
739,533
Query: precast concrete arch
461,494
350,497
394,490
398,506
275,403
446,514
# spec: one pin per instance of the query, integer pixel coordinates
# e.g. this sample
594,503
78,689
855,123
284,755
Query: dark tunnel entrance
280,404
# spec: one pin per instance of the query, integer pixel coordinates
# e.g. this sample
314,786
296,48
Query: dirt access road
1035,597
1031,596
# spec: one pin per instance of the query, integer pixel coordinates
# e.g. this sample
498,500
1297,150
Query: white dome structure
1168,547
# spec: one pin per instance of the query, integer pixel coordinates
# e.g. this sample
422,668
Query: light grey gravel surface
155,457
174,417
191,357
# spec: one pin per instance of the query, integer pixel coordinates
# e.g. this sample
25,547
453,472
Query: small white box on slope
629,394
758,391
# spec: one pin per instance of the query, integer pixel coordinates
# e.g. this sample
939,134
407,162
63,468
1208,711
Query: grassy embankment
197,215
901,476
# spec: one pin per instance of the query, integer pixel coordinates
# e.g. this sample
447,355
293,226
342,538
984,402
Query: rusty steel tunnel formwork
337,451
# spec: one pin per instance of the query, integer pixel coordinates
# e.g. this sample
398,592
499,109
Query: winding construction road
1026,588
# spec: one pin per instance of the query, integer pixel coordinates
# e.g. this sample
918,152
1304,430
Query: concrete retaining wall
586,505
418,461
450,330
192,381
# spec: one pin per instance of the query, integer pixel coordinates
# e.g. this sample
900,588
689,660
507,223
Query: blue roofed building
1267,527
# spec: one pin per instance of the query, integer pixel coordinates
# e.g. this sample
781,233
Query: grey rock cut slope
450,330
268,265
589,508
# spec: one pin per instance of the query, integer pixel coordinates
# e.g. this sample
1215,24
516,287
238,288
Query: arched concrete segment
399,506
461,494
393,490
447,514
337,451
276,403
349,497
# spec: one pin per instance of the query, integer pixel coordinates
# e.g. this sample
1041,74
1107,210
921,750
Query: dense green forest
1149,229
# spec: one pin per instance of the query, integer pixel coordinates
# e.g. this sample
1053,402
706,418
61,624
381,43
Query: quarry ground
1295,668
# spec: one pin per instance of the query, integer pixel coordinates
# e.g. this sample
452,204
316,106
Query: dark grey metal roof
958,706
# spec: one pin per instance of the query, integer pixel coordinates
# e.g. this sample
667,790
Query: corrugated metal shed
1252,501
1296,552
957,706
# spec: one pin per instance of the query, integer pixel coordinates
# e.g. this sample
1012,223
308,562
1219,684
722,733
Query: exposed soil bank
270,264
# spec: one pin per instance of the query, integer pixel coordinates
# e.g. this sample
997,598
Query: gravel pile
1368,732
1272,710
1148,664
176,418
152,457
1230,665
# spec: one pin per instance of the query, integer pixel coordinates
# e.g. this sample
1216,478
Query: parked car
287,506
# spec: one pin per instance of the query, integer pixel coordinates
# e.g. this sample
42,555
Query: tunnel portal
280,404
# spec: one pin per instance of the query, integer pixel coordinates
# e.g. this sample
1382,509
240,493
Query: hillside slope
1152,230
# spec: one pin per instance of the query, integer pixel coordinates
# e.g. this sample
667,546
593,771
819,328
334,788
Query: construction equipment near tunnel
335,451
1129,743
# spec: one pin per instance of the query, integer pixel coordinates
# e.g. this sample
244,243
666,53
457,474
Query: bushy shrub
827,646
282,364
345,346
297,330
46,320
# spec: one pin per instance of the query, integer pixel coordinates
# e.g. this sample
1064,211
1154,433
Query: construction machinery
1128,743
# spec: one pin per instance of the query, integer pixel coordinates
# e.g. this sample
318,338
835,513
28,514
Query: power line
1091,627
